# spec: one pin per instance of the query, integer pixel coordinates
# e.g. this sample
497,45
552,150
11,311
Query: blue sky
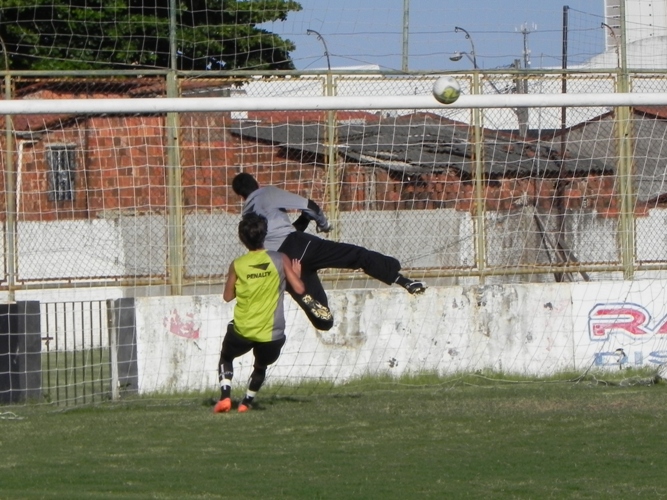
358,32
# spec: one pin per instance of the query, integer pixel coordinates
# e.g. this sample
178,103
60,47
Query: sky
363,32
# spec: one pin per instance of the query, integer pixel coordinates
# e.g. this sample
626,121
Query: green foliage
122,34
422,437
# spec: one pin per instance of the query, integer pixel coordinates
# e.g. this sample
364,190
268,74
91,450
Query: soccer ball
446,89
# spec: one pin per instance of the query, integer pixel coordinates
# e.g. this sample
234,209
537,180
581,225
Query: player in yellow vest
257,281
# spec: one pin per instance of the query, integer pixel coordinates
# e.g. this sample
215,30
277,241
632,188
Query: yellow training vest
260,287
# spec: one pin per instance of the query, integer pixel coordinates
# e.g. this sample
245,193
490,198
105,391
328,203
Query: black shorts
234,345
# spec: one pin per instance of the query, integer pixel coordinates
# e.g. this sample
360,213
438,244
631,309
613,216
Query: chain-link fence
492,195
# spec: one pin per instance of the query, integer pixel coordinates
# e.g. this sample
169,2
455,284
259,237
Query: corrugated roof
597,139
424,144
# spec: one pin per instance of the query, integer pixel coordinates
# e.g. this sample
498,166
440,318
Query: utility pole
526,30
522,82
406,34
522,114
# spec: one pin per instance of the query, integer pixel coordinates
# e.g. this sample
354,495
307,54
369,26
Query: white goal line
218,104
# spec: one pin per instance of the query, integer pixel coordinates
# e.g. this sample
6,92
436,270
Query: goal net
224,35
536,224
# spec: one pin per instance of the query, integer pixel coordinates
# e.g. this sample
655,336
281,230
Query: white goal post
409,188
210,104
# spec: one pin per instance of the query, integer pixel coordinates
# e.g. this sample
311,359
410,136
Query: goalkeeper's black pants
318,253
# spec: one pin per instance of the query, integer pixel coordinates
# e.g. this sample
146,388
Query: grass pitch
464,438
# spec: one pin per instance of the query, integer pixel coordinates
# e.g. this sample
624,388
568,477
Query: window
61,162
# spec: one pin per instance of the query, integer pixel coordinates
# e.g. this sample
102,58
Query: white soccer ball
446,89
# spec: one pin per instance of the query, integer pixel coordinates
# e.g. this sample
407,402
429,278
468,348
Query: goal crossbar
324,103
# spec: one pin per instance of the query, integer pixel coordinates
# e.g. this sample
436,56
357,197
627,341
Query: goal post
519,237
535,216
367,103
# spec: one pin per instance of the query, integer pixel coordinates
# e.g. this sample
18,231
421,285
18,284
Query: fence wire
502,195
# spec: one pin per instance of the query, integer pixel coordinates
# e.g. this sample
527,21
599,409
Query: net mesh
224,35
538,230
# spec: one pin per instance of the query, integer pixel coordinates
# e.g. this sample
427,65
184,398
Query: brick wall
121,166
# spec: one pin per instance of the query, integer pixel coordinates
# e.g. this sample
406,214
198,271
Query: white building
646,35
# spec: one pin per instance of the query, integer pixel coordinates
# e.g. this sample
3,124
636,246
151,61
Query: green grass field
471,437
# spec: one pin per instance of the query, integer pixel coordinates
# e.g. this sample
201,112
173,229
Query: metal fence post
174,182
332,160
480,207
113,349
626,223
10,192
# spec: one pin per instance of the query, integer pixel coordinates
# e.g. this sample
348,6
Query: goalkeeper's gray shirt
273,203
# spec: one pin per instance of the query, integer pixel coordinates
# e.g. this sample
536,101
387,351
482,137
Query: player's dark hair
252,231
244,184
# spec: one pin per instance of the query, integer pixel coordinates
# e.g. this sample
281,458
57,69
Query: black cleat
415,287
316,309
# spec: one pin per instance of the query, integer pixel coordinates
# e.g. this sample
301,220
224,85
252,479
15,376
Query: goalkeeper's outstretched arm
312,212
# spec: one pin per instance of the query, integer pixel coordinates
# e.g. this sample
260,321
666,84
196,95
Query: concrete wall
137,246
527,329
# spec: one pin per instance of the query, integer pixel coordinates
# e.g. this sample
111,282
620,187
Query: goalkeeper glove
325,228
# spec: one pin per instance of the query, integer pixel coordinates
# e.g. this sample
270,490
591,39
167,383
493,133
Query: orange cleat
223,406
243,408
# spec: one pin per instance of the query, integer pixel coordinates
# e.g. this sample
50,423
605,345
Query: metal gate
76,357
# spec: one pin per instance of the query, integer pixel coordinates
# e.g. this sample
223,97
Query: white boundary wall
531,329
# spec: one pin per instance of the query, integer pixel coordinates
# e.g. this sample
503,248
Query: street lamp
321,38
331,136
616,44
457,56
472,56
